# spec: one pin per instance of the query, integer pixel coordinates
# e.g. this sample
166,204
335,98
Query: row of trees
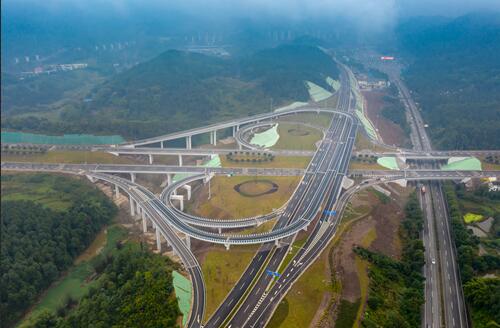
254,157
396,287
481,294
38,244
135,290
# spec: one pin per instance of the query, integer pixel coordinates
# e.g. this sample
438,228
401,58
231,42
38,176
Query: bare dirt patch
391,133
345,258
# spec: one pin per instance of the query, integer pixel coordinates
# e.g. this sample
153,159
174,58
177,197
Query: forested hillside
46,221
134,289
179,90
456,78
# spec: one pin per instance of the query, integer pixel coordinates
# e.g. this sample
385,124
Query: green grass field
347,314
471,218
304,298
50,190
221,270
227,203
322,119
297,137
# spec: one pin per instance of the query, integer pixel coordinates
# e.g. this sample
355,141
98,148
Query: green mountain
456,77
179,90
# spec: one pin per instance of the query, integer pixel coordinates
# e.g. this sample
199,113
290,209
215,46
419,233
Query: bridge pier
138,210
150,159
144,223
158,239
169,179
277,243
214,137
220,230
305,228
227,246
132,206
161,145
180,160
188,189
187,240
188,142
117,192
180,198
132,177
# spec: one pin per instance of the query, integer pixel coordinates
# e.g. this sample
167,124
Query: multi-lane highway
255,296
325,173
443,290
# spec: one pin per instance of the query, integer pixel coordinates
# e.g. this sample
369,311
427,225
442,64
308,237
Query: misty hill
179,90
456,75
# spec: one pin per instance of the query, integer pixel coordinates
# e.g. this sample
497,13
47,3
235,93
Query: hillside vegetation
456,76
478,257
179,90
134,289
46,222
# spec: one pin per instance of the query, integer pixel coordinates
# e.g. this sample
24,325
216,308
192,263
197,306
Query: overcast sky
375,14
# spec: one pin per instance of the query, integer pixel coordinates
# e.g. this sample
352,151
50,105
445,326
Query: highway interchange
256,295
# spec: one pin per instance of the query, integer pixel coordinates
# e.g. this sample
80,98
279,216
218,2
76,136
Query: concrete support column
305,228
188,142
158,239
117,192
150,159
234,131
227,246
180,160
161,145
220,230
211,138
240,147
132,206
144,224
214,138
188,241
132,177
180,198
169,179
277,242
188,189
138,210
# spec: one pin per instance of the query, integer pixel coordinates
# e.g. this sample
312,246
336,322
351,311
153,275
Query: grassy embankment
315,285
69,157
